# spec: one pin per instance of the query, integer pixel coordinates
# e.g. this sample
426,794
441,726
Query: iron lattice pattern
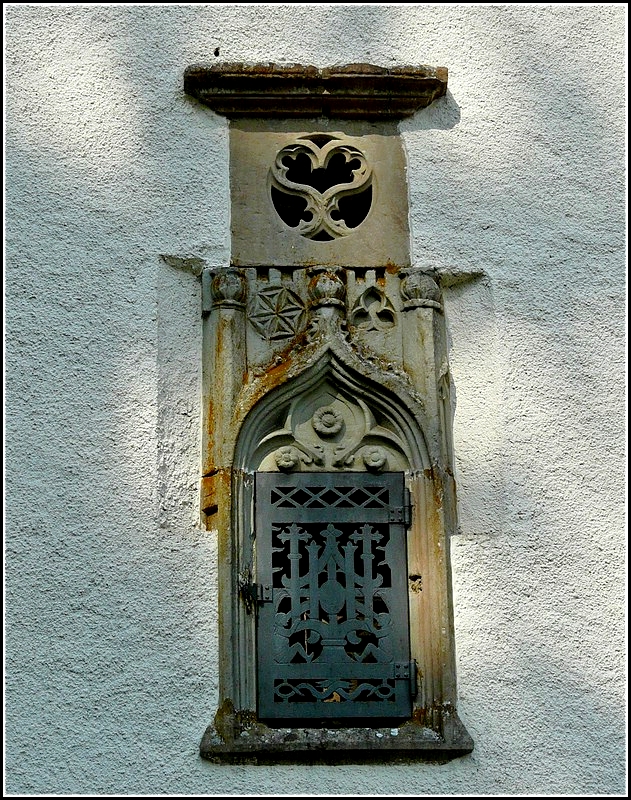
330,497
336,628
334,691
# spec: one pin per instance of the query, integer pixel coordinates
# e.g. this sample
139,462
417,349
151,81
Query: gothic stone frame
359,346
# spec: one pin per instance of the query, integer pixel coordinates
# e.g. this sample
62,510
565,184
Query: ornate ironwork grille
332,628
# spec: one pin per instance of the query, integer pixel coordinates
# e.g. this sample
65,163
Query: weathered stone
327,198
363,91
327,389
239,739
331,394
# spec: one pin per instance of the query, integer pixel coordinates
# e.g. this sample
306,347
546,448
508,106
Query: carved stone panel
321,185
326,429
282,310
329,377
318,196
277,312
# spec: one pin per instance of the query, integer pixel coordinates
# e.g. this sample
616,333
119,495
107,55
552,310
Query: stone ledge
259,744
359,91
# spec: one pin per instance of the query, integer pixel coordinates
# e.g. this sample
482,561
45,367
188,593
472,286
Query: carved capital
419,290
326,287
224,287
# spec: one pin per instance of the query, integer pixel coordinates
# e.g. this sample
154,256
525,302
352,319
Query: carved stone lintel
361,91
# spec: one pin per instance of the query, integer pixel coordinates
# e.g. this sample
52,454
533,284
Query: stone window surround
419,386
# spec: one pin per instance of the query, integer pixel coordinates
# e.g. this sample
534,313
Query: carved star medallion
276,312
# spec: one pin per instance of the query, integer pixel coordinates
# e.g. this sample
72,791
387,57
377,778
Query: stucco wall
110,583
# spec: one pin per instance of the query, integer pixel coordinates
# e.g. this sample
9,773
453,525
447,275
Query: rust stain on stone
438,490
210,420
224,720
275,373
274,376
215,486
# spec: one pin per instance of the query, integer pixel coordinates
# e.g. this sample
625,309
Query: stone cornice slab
358,91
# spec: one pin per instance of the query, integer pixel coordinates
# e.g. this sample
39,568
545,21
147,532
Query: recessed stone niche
327,456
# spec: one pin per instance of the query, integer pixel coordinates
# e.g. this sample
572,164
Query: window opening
322,186
332,630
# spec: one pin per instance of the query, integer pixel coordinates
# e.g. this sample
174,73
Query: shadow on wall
122,645
443,114
538,678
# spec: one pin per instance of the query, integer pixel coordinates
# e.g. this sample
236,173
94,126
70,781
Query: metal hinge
402,513
263,593
406,671
254,593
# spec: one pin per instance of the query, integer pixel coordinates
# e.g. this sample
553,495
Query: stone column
224,369
425,359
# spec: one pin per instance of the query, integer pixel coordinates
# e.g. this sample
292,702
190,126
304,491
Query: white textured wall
110,590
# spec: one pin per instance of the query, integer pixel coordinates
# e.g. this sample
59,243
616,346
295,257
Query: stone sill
259,744
359,91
